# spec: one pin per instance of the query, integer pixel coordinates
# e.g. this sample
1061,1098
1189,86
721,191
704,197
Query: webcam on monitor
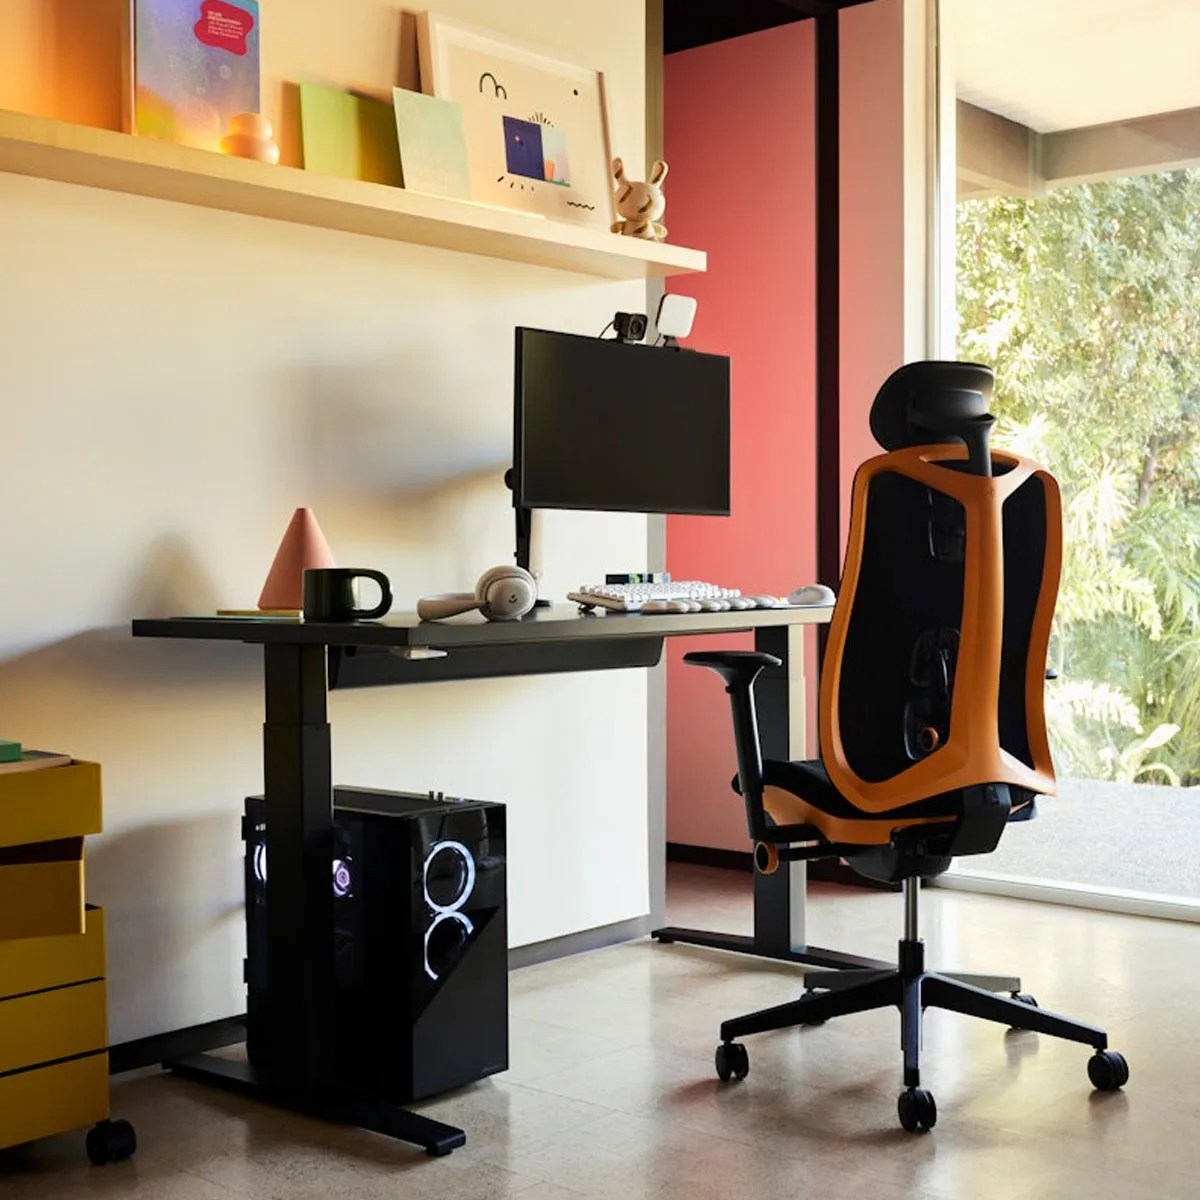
630,327
672,322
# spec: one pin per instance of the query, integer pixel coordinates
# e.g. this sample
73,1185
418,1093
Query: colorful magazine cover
195,65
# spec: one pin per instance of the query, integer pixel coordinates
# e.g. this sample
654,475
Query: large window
1087,302
1084,294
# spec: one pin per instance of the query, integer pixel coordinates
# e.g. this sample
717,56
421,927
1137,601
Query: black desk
302,663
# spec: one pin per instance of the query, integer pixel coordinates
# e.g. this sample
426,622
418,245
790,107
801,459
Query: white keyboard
686,595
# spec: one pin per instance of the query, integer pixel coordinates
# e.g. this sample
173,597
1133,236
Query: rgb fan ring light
343,878
447,861
260,863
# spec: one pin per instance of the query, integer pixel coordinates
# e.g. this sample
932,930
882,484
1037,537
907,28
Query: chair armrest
734,666
739,669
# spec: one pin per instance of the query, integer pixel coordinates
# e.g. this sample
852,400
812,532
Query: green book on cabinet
10,751
35,760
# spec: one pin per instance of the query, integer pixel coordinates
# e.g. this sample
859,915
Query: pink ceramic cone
303,545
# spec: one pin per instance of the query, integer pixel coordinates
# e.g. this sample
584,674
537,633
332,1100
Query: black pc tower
420,954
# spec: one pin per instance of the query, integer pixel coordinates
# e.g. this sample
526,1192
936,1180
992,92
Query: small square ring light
675,317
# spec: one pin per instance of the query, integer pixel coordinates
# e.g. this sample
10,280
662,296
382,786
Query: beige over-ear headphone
502,594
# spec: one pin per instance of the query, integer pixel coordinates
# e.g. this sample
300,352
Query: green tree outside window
1086,301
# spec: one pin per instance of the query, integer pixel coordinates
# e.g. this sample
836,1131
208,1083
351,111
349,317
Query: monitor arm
523,518
524,521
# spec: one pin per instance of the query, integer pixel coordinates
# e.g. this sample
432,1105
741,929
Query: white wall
173,383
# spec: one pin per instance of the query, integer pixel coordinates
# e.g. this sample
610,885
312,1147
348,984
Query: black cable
605,329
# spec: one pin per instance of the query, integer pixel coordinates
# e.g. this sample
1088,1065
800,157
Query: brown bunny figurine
640,204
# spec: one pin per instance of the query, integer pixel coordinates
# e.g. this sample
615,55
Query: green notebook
433,146
351,136
10,751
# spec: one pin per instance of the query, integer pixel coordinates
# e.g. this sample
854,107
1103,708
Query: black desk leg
297,774
295,1063
778,898
378,1116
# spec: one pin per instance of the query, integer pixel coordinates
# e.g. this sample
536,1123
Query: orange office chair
933,736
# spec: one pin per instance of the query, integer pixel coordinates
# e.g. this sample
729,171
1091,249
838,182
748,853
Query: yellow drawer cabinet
53,994
38,964
50,1026
67,1095
50,805
44,817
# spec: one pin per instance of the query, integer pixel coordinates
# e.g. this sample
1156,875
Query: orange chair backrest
902,576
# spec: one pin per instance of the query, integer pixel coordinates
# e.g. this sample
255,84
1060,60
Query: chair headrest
929,403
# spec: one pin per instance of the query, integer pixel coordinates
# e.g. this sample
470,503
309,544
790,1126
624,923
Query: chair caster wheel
809,991
110,1142
917,1110
732,1061
1023,998
1108,1070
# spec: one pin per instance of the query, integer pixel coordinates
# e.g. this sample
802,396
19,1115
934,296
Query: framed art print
536,124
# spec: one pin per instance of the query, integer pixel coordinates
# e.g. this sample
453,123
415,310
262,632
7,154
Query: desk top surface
562,622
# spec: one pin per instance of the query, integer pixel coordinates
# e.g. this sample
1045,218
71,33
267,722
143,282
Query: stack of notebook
13,758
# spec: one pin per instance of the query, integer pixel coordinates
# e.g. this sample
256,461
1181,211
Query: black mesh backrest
904,589
1025,539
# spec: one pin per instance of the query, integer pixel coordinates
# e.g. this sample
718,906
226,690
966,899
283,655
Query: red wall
739,130
872,203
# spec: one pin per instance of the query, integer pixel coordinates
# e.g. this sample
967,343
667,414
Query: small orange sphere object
251,136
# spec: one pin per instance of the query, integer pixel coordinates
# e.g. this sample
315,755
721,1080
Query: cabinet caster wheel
1023,998
732,1061
917,1110
110,1142
1108,1070
809,991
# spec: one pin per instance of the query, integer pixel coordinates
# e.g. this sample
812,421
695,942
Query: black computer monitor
618,427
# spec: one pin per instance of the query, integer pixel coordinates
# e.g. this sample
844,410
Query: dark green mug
329,594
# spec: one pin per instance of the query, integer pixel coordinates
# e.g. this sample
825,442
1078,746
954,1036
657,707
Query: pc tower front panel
420,954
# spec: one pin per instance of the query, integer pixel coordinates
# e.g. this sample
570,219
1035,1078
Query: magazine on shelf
193,65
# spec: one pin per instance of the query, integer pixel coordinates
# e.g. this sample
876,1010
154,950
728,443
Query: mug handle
385,600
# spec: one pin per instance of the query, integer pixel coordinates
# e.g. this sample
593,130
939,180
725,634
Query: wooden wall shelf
119,162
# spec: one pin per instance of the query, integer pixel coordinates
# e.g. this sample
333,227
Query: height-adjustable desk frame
303,662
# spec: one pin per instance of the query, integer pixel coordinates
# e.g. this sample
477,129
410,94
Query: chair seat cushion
802,794
810,781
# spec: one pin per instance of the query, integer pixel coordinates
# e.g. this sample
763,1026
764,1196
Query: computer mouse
813,594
